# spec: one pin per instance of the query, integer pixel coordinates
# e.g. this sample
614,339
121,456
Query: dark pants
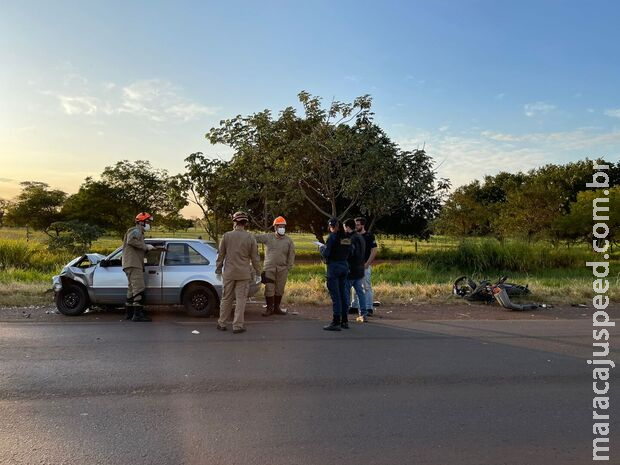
336,284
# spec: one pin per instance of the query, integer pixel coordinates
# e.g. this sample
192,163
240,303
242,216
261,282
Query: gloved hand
149,247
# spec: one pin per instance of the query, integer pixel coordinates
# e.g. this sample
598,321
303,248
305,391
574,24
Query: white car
179,271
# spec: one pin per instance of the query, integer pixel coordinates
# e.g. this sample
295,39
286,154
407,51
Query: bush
479,256
27,255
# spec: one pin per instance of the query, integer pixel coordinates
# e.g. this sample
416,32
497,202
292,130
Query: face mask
147,227
281,231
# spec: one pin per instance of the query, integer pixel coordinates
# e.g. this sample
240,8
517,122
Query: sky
483,86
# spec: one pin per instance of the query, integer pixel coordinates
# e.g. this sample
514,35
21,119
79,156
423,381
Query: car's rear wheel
72,300
199,300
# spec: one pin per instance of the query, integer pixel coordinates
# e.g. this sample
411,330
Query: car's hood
93,258
79,269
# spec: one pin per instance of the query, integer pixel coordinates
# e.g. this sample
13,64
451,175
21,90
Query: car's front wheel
72,300
199,300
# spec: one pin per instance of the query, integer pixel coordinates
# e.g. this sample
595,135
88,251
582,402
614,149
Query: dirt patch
416,312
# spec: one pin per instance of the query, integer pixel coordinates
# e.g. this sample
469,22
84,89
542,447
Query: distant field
406,271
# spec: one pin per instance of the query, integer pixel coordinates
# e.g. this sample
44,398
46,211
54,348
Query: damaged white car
178,272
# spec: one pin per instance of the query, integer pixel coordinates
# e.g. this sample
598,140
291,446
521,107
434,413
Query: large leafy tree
321,163
577,225
122,191
37,206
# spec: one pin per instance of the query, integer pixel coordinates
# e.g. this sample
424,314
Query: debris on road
195,332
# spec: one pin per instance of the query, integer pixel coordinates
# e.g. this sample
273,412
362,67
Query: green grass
407,271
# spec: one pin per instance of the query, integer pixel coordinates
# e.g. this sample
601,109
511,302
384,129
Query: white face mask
147,226
280,231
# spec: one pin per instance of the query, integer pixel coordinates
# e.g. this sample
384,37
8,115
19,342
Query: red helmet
279,220
144,217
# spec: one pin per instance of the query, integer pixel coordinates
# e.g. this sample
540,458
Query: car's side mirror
104,263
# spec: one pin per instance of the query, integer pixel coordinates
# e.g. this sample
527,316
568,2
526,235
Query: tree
74,236
324,163
202,180
36,206
4,205
175,222
578,224
463,214
124,190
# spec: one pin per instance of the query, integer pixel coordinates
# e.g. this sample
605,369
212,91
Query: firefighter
279,259
237,251
134,251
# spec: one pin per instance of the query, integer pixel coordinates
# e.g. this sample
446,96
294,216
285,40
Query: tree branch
312,202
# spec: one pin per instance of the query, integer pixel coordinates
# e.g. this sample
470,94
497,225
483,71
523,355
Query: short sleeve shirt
370,244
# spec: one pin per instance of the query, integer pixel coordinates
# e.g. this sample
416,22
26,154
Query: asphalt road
286,392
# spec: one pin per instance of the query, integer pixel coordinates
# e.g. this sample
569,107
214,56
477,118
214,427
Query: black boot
276,309
269,310
139,314
344,322
129,309
334,325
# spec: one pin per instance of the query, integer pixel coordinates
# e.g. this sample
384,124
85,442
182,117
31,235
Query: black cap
333,222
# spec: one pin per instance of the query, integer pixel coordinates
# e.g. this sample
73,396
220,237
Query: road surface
286,392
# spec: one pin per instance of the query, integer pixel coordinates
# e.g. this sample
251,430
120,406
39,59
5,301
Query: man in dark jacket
356,260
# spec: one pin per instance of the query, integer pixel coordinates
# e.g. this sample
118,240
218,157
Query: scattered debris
195,332
25,315
294,313
579,305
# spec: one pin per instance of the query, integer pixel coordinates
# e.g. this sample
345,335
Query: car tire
72,300
199,300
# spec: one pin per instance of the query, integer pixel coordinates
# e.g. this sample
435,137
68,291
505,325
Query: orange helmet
144,217
279,220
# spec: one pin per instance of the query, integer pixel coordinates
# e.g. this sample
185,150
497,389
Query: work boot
334,325
276,309
129,309
139,314
269,310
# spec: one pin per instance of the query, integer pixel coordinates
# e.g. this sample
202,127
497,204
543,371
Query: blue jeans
336,284
367,291
358,285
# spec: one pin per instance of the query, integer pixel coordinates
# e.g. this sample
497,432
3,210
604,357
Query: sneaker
239,330
364,319
221,328
370,312
344,325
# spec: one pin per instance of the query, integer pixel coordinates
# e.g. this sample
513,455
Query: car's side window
183,254
152,258
116,259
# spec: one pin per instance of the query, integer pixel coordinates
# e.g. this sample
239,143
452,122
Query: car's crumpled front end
80,270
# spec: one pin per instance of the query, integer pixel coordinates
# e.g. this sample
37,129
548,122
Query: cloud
79,105
537,108
153,99
467,156
614,113
6,180
160,101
